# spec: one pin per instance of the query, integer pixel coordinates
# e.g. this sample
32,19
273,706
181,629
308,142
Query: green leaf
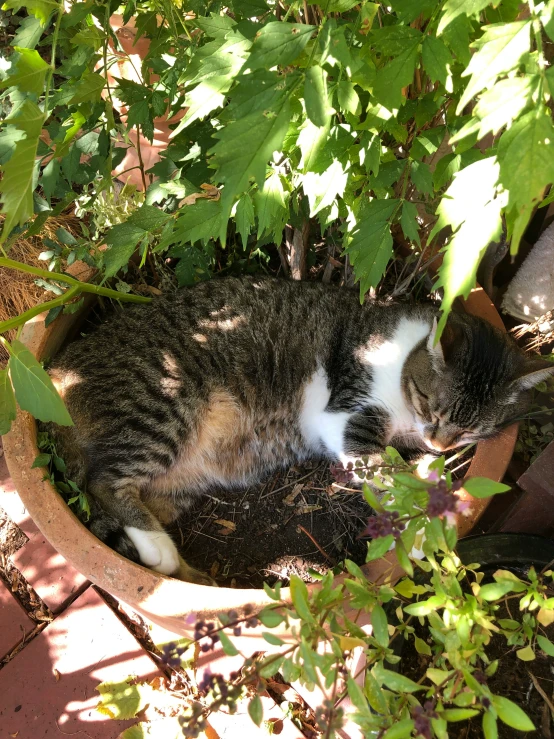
370,243
316,97
424,607
422,177
9,136
472,210
408,221
270,618
526,157
7,403
33,388
299,595
28,33
123,238
499,50
499,106
357,696
17,182
215,25
394,76
42,460
495,590
422,647
378,547
403,558
278,43
125,699
272,639
436,59
227,645
88,89
511,714
453,8
335,6
256,710
244,217
526,654
374,694
323,189
243,151
490,727
397,682
204,98
271,207
546,645
401,730
482,487
349,101
41,9
28,71
122,241
458,714
380,625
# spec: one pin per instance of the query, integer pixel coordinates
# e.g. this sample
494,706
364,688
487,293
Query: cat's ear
532,372
442,351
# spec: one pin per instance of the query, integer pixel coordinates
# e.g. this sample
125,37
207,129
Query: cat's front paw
156,550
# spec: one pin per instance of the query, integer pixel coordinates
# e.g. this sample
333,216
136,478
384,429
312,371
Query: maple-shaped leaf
18,173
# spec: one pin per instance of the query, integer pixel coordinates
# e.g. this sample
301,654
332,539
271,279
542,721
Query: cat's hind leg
122,501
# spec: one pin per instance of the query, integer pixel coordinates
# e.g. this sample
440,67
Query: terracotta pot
164,600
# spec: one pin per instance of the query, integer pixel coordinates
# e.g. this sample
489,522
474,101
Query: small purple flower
382,525
422,718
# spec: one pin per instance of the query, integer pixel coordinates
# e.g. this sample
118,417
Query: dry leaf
14,735
210,193
228,524
289,500
56,675
301,510
214,569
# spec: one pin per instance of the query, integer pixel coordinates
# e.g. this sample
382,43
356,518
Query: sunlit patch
382,354
224,324
68,380
200,338
171,382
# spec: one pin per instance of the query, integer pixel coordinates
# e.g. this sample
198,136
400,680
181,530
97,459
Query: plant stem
53,58
32,312
85,287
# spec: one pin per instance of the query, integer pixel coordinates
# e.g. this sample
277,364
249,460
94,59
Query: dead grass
18,291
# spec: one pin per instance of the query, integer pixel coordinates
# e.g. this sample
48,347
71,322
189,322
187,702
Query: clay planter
164,600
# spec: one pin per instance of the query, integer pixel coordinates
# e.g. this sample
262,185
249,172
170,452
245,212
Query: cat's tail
66,444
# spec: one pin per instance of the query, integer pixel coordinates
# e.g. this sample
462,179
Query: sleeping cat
219,384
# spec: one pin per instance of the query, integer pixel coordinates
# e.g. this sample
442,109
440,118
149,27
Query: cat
219,384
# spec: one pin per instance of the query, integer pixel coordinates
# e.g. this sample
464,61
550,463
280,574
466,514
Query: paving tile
55,581
11,502
84,646
14,622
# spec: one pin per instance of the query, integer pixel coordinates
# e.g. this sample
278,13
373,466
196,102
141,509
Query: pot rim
162,599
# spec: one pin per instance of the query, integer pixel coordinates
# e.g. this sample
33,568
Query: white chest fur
324,430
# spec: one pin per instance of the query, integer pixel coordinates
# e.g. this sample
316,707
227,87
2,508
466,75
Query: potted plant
432,652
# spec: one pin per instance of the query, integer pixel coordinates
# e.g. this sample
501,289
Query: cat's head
474,382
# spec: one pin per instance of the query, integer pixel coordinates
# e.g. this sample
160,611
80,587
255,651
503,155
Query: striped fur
217,385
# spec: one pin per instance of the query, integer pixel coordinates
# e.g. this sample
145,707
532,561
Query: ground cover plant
353,123
451,616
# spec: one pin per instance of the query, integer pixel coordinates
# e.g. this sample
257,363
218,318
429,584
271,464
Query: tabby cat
219,384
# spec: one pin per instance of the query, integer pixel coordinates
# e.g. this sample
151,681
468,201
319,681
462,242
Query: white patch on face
387,361
320,427
156,549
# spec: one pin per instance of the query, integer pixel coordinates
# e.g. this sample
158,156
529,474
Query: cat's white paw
156,549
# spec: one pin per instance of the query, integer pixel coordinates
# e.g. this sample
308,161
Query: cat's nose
438,445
